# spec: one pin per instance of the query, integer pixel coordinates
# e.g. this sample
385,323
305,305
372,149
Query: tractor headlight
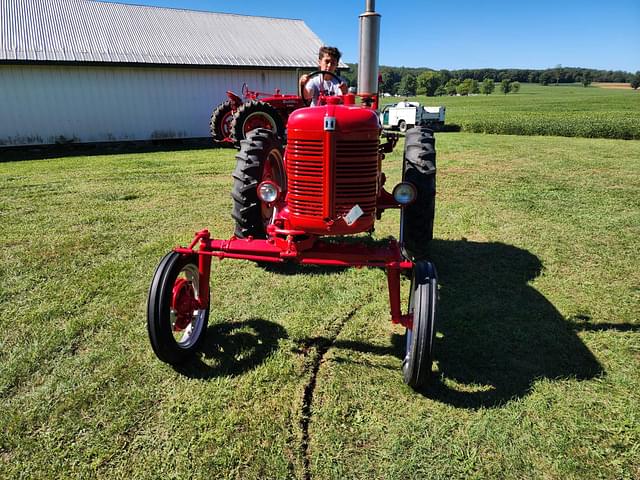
404,193
268,192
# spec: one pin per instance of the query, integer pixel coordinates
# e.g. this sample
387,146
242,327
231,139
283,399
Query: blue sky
465,33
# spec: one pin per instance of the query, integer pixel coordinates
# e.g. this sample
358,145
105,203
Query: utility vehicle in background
405,115
299,203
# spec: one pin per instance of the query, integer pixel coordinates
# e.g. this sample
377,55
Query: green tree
475,86
505,86
557,73
488,86
451,86
545,78
515,87
635,81
407,85
428,82
466,86
440,91
350,74
446,76
390,77
586,79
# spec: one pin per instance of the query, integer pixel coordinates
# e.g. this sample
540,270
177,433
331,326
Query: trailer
404,115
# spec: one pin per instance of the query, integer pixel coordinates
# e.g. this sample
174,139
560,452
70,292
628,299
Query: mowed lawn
537,371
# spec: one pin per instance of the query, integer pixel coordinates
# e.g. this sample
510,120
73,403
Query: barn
93,71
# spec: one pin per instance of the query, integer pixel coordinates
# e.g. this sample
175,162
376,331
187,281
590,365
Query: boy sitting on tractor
328,60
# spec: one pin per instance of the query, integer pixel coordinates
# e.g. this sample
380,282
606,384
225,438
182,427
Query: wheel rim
409,331
258,120
225,124
186,315
272,170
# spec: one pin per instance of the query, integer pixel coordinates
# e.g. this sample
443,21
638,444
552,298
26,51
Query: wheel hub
225,124
184,303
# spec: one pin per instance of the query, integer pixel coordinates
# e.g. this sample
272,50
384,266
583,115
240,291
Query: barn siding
45,104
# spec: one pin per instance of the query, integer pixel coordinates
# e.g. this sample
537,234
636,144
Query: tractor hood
345,119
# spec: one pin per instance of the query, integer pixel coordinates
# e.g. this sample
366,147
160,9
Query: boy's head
328,58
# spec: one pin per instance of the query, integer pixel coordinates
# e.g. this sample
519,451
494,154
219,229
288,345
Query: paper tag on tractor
354,214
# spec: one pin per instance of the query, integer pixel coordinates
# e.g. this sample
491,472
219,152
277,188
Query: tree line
408,81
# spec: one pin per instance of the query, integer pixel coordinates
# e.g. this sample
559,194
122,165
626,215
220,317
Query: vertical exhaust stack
369,47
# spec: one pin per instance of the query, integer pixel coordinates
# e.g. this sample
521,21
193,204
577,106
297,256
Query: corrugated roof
94,31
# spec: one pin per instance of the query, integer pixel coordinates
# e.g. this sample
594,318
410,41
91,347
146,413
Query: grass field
564,110
537,355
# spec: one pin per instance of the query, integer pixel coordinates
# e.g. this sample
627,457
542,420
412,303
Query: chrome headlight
404,193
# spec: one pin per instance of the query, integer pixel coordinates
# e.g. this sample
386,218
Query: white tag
354,214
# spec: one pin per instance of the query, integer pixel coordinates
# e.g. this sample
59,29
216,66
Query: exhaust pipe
369,48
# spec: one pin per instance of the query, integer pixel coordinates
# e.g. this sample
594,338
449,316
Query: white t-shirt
318,84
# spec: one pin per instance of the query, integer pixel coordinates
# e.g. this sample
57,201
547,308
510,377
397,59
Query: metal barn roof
94,31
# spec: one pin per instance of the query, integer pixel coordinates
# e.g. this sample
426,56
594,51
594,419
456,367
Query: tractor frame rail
308,251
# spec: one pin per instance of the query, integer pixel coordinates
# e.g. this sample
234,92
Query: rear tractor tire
419,168
220,124
255,114
260,158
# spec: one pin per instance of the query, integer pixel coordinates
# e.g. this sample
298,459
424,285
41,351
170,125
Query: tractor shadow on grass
499,334
230,349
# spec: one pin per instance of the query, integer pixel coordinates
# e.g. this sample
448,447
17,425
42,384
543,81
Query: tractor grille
356,172
304,173
356,165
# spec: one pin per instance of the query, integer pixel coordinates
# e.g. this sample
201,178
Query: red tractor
297,204
234,118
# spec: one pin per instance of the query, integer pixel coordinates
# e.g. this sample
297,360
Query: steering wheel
307,102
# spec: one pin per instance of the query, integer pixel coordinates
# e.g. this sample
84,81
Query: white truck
404,115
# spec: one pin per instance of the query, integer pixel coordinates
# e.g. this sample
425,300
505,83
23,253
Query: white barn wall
45,104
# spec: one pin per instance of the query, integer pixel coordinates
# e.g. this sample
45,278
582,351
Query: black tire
402,126
419,168
416,366
255,114
220,124
174,341
260,157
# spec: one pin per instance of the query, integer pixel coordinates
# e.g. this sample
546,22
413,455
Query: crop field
564,110
537,371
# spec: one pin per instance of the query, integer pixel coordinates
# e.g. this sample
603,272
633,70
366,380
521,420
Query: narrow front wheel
176,315
416,366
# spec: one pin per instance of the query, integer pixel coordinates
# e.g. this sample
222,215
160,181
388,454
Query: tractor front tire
416,366
176,317
255,114
260,158
220,124
419,168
